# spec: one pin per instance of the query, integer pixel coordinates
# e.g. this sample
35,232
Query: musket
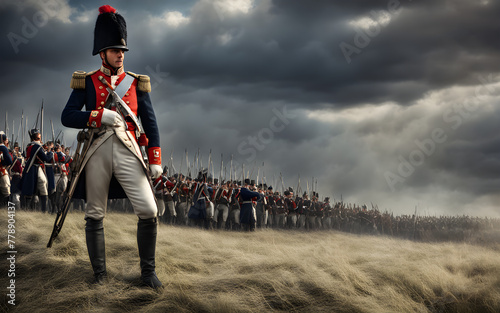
299,190
264,174
209,163
231,170
258,173
20,126
221,166
180,168
250,175
57,137
53,134
24,132
198,160
6,130
85,138
172,162
282,184
41,123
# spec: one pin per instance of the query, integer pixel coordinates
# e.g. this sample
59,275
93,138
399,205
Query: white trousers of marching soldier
42,183
4,185
221,208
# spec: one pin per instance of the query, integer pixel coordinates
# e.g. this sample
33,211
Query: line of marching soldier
33,178
208,203
233,205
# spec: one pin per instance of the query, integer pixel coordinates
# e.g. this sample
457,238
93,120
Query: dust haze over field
264,271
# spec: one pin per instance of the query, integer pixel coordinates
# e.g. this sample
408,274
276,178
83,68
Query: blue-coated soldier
16,171
248,199
5,162
34,180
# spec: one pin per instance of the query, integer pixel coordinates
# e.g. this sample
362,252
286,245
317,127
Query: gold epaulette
78,79
143,82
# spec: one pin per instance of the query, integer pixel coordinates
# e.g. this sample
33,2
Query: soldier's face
115,57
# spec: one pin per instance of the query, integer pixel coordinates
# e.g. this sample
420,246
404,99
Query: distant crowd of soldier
273,209
286,210
34,177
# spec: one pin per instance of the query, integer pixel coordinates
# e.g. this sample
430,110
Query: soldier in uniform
318,208
290,209
270,207
328,214
260,209
159,186
5,162
168,200
234,207
222,199
113,166
16,171
34,180
247,211
201,197
183,192
61,174
51,169
280,213
302,208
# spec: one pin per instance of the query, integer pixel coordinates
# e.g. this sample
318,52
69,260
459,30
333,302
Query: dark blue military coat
246,212
30,174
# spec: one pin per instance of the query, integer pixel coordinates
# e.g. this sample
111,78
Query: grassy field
264,271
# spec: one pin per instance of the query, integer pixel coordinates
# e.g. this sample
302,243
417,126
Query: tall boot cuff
93,224
147,221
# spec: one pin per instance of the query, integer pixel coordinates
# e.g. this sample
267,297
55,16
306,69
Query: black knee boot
43,203
146,242
94,233
5,201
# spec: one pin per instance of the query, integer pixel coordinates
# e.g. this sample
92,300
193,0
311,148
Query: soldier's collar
108,72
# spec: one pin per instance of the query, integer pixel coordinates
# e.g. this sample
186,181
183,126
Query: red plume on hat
110,30
106,9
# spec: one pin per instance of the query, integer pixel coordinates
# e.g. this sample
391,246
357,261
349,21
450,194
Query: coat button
126,94
102,102
102,94
128,102
100,87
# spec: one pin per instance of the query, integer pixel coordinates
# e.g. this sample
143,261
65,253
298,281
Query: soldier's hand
155,170
111,118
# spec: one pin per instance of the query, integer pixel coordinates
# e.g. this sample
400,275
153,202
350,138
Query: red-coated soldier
114,165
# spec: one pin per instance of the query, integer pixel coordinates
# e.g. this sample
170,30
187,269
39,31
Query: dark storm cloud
289,51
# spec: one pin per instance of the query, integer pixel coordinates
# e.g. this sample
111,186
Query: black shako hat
33,132
110,30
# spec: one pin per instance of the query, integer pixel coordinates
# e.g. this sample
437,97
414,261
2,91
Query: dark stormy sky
390,102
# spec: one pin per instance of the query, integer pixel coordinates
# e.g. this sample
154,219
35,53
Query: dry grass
265,271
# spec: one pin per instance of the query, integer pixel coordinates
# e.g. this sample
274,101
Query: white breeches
4,185
42,183
113,158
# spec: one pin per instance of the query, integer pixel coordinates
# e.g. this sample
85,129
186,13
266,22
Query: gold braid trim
143,82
